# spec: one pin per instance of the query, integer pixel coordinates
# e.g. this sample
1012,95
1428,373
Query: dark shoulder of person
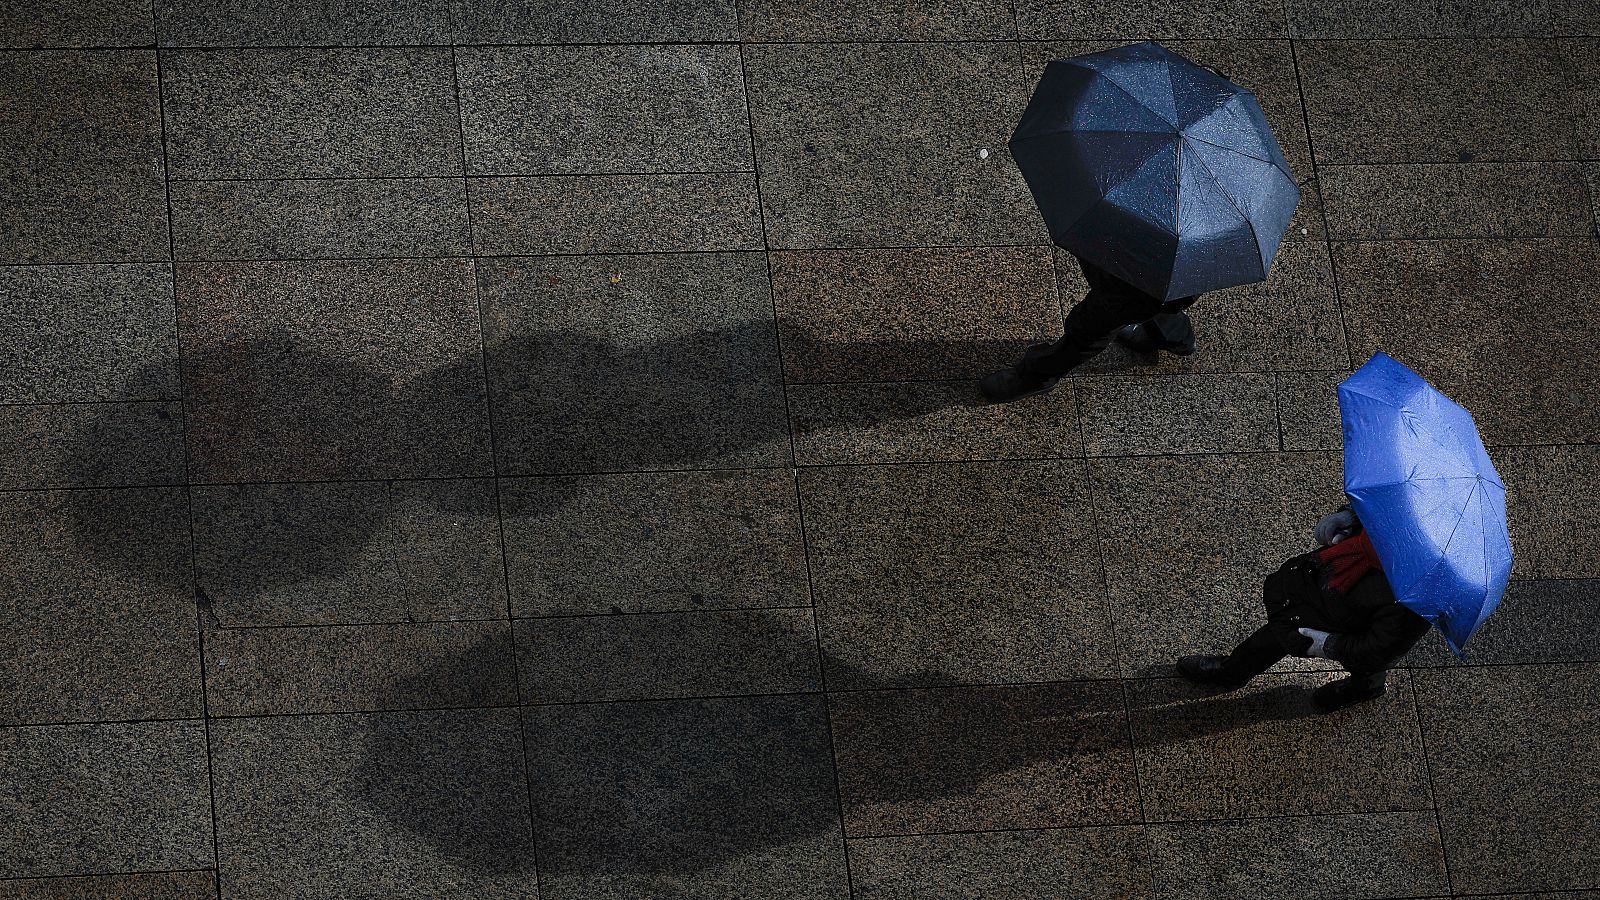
1373,593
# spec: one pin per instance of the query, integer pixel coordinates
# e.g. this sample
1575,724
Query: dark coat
1371,629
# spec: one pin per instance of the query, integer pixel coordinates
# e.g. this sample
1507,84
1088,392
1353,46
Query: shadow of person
633,796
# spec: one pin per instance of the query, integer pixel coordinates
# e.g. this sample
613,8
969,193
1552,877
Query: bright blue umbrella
1423,485
1161,172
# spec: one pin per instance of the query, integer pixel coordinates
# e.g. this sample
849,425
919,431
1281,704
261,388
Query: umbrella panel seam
1254,239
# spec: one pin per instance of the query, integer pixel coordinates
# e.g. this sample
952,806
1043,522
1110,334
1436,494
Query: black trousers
1110,304
1261,650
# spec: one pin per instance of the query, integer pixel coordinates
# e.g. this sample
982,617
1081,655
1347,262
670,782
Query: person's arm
1394,630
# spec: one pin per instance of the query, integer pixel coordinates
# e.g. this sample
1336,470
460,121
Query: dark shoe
1336,695
1140,339
1205,669
1010,384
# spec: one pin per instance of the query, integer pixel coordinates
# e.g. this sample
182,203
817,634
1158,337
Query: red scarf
1348,561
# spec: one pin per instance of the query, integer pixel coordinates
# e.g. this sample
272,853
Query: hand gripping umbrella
1423,486
1161,172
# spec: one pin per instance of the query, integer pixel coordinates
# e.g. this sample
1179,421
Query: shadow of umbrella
275,404
234,380
639,794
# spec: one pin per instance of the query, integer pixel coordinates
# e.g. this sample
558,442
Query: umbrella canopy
1162,173
1421,482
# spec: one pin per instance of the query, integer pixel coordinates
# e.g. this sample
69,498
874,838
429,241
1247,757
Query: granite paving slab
889,144
332,369
290,219
875,20
296,113
1584,74
589,22
973,573
1188,541
881,315
615,213
1263,750
1575,17
1513,757
664,542
927,421
1407,102
155,886
686,798
629,363
963,759
1047,864
1561,895
1167,414
255,23
76,23
97,620
1550,500
1592,175
370,805
1474,200
1538,621
1147,19
1308,410
103,444
1265,67
359,668
1357,855
341,552
667,655
1502,327
1367,20
80,155
76,333
1290,322
84,798
1228,859
603,109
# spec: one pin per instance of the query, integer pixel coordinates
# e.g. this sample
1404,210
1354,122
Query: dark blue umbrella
1423,485
1162,173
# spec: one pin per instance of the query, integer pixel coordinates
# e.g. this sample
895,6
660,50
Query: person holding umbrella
1333,603
1164,180
1427,513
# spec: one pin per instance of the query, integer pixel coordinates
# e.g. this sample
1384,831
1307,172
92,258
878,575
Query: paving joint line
1433,790
200,611
794,470
1322,204
494,467
909,463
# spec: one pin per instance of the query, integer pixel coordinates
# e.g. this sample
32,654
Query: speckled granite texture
530,448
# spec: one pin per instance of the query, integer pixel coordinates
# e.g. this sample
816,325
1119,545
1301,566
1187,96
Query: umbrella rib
1286,173
1189,137
1447,541
1140,103
1483,606
1409,480
1254,238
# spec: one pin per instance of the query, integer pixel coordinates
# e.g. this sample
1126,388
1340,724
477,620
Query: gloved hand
1319,642
1335,527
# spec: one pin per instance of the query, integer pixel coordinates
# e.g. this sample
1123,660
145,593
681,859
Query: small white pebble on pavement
983,153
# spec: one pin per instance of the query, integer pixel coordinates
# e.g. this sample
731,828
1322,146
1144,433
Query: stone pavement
498,448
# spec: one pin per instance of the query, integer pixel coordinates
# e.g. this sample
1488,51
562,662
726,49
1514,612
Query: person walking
1332,603
1164,180
1113,308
